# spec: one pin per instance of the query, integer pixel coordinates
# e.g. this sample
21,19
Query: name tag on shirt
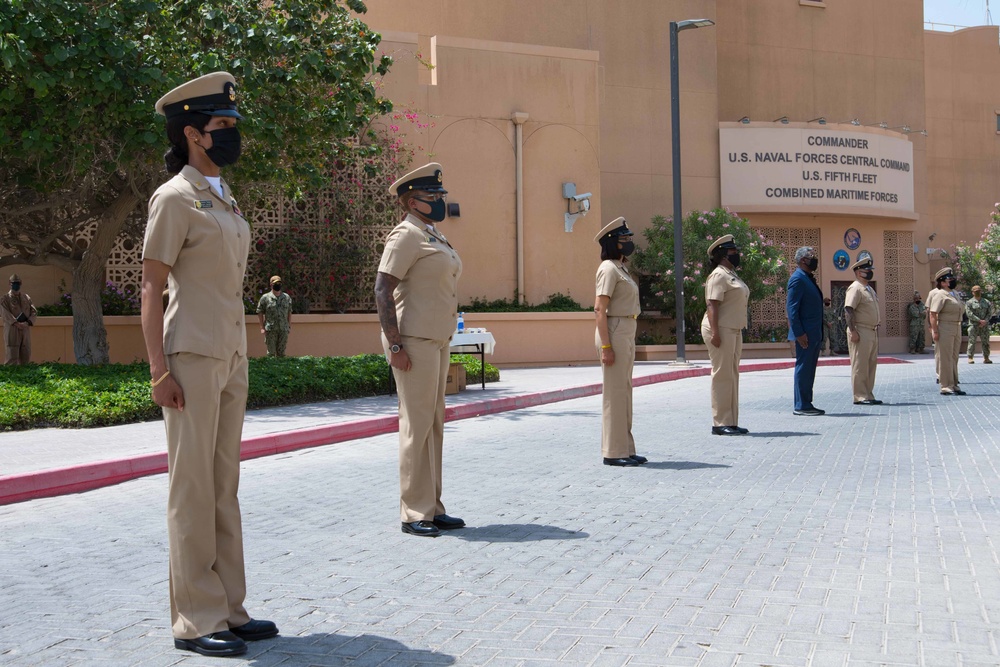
203,203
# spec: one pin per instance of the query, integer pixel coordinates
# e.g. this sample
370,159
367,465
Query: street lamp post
675,120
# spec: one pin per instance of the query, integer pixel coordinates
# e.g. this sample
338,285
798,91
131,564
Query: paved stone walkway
864,537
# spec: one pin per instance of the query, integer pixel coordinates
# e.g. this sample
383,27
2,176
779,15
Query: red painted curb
89,476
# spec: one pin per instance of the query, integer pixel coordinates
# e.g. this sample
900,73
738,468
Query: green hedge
73,396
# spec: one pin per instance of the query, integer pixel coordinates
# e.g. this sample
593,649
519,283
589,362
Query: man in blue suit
804,305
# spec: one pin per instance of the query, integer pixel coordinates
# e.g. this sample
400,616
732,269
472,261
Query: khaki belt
625,317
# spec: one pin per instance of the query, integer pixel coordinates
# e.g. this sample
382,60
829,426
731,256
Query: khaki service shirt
724,286
12,305
614,281
205,240
948,306
863,300
428,269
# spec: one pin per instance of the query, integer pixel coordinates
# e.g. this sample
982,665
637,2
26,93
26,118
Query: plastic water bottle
461,323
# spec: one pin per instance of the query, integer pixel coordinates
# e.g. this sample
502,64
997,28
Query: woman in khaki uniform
197,243
862,314
616,307
945,311
416,293
726,298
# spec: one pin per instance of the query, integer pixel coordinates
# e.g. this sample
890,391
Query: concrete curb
89,476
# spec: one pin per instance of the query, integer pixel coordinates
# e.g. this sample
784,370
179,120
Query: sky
961,12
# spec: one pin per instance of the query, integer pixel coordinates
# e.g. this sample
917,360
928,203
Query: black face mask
226,145
952,282
812,263
734,259
627,248
439,210
867,275
15,287
276,287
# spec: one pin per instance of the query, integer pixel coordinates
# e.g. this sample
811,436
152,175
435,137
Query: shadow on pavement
516,532
330,649
779,434
681,465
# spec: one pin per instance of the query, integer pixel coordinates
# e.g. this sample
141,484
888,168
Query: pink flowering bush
762,265
979,264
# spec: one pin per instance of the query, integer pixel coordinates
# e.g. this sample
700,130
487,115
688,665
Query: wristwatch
395,349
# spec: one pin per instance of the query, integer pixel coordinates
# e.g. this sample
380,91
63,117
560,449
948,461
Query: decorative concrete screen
789,169
770,313
898,277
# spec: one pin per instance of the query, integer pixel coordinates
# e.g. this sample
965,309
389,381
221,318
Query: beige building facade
910,117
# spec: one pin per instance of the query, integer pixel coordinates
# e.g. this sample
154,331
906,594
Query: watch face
395,349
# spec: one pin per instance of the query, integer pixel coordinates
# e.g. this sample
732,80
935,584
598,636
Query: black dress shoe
626,462
809,412
218,644
742,430
421,528
253,630
959,392
639,459
726,430
868,401
445,522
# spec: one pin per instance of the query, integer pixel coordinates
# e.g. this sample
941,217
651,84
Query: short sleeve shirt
428,269
205,240
864,302
615,282
276,310
724,286
948,306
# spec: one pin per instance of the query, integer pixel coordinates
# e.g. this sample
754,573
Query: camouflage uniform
830,320
917,312
276,310
979,309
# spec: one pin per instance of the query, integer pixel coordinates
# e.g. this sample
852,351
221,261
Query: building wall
962,71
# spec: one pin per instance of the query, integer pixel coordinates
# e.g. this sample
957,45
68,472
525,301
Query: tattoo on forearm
386,305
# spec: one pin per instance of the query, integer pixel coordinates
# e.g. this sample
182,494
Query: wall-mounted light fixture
853,121
745,120
783,120
821,120
905,129
582,205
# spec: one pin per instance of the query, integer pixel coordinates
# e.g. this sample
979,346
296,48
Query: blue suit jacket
804,305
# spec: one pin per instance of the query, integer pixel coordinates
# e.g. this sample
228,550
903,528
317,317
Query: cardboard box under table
475,341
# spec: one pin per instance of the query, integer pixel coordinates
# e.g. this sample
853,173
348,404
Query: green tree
979,264
762,266
80,145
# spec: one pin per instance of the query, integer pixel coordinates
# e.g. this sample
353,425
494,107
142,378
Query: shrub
762,266
114,301
557,303
76,396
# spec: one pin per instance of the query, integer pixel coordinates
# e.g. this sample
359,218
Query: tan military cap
976,289
213,94
617,227
724,241
14,278
428,178
946,271
863,263
275,279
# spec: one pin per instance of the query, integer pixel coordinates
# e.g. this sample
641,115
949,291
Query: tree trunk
90,339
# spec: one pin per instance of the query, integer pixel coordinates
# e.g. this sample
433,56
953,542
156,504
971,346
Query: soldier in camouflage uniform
979,310
917,313
830,320
275,314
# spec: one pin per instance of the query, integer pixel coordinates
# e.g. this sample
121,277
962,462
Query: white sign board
790,169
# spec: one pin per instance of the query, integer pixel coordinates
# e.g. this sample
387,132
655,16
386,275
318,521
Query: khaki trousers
864,361
421,426
725,375
207,580
616,409
946,352
17,343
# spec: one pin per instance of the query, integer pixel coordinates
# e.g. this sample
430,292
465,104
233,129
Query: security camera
582,197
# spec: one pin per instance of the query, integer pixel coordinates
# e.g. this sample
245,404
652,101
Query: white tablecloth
485,339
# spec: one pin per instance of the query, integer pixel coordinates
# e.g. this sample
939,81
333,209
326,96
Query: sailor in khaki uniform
862,314
726,298
19,316
197,243
616,308
945,314
416,293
